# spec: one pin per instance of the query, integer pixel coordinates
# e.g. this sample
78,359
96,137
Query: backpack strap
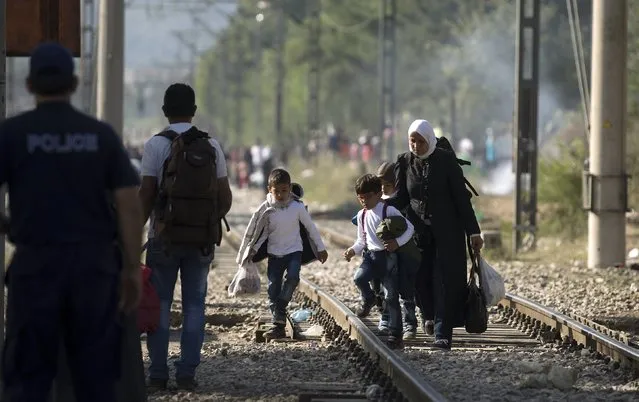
470,186
364,227
168,134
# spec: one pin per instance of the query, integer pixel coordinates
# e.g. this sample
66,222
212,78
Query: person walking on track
76,260
185,191
432,191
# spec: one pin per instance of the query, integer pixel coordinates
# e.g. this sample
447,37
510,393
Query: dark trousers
383,266
430,292
406,273
280,290
376,284
68,295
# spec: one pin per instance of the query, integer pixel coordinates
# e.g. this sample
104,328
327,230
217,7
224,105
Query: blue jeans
391,295
373,266
279,295
194,269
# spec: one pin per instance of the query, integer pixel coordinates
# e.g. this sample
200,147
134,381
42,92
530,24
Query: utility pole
110,98
3,192
223,81
238,83
452,85
387,67
526,111
314,66
110,64
258,69
280,43
607,180
87,58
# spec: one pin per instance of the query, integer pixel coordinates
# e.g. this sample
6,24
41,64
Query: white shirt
283,230
157,150
372,219
385,197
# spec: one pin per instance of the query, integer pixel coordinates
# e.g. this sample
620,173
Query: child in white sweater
284,247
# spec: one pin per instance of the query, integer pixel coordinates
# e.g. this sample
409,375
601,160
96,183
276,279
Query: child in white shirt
281,227
375,253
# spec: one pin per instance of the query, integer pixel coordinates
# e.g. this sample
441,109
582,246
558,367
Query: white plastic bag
246,281
491,283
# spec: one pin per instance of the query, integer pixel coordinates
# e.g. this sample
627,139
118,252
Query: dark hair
179,101
368,184
386,172
278,176
52,86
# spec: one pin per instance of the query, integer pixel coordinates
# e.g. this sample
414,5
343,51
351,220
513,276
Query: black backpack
443,143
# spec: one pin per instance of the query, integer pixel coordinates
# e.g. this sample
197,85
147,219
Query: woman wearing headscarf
431,189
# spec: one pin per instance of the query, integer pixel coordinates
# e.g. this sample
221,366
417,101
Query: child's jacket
256,230
392,227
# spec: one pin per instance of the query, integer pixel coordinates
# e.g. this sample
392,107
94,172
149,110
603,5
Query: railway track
516,322
537,323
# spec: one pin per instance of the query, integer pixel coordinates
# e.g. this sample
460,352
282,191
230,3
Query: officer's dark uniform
61,166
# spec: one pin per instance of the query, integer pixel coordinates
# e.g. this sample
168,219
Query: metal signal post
314,66
387,67
525,125
280,43
238,81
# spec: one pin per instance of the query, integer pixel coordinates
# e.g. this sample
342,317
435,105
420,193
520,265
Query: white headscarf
425,130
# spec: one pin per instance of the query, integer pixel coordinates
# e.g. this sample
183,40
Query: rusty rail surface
570,328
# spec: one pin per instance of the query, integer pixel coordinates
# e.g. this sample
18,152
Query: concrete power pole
3,111
606,182
110,64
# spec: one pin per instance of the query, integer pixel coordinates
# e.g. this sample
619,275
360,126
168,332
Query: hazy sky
150,39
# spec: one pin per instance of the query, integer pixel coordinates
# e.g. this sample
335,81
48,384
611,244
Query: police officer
72,274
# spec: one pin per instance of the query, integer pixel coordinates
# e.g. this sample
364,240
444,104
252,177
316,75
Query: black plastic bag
476,312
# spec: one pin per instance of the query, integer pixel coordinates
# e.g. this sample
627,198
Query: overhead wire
580,64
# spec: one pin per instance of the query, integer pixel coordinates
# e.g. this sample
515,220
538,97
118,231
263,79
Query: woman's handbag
476,312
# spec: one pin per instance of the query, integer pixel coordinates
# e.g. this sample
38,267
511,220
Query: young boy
375,253
278,221
407,269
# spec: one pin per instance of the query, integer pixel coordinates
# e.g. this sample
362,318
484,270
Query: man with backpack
186,193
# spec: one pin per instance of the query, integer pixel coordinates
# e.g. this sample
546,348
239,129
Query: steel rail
408,381
566,326
569,327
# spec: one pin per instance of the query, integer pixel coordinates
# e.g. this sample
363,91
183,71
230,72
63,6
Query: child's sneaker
428,327
441,344
410,333
364,310
276,332
395,342
382,328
